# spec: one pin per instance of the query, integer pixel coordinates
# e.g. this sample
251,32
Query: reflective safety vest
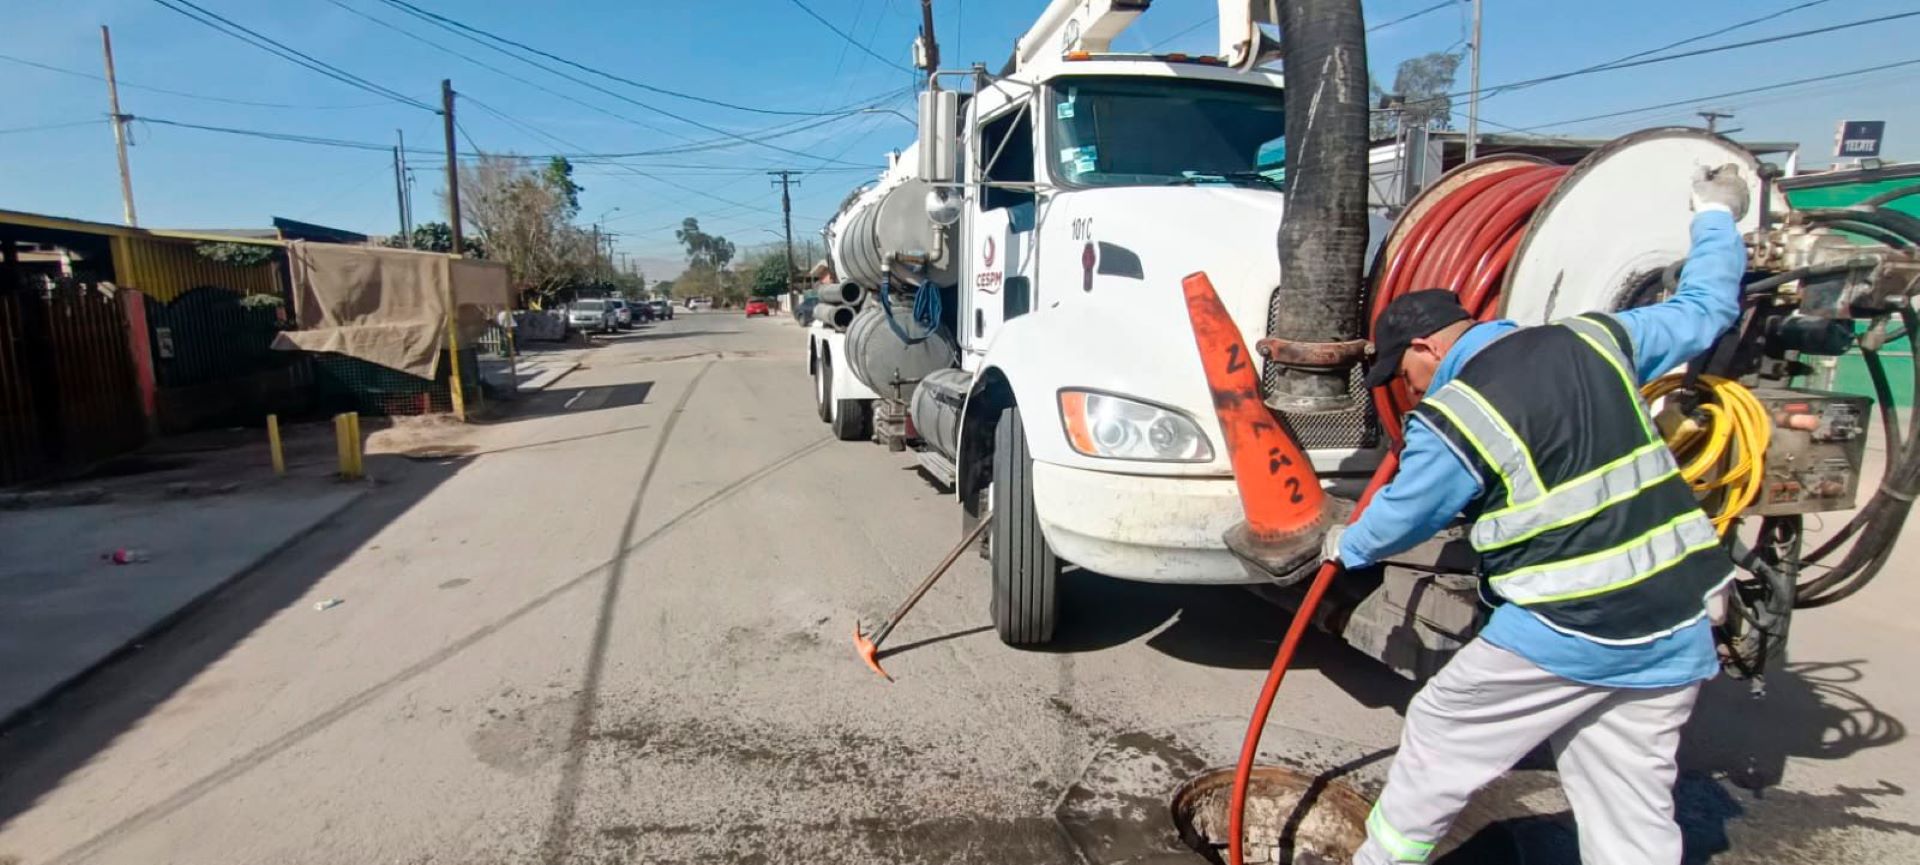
1582,517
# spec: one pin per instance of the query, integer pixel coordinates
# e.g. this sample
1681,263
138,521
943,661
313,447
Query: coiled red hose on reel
1462,243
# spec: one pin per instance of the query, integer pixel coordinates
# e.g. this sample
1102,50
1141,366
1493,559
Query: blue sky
766,53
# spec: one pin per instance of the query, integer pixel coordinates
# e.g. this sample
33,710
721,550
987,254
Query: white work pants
1486,710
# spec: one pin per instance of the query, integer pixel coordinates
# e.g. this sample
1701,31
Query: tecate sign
1858,138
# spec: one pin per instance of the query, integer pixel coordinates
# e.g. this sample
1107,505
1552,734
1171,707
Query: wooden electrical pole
786,214
453,168
1473,86
119,129
932,50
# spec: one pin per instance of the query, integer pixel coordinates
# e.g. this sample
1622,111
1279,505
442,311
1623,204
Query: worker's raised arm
1668,334
1432,485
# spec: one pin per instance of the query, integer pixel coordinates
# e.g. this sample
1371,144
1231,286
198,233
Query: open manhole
1292,817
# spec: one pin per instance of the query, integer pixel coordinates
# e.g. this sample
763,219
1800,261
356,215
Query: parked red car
757,307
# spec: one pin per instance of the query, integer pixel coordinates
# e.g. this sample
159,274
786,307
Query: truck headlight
1104,425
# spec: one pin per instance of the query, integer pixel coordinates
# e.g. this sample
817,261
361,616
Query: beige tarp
388,306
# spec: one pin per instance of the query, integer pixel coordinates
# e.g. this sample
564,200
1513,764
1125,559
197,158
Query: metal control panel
1819,442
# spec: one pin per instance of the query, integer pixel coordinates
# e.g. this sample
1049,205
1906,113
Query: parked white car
623,316
592,314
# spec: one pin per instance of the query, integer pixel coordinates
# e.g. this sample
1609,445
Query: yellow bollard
273,445
354,440
340,438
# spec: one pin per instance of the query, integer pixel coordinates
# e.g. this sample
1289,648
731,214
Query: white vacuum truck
1013,279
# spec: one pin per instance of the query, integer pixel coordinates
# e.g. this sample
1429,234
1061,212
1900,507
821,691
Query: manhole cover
1292,817
436,453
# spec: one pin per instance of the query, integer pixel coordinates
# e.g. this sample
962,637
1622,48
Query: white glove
1721,189
1330,545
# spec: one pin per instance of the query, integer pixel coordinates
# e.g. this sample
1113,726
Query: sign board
1859,138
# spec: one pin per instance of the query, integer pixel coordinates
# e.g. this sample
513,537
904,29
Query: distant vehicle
642,310
662,309
622,314
758,307
591,315
700,303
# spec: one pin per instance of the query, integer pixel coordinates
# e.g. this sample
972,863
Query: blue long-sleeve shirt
1434,483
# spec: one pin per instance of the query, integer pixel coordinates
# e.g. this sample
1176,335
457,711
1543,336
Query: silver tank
936,409
889,219
888,364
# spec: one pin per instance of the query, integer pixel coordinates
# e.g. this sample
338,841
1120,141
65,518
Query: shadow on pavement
562,399
1214,626
633,336
1808,712
65,733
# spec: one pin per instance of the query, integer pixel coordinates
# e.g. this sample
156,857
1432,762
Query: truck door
1001,260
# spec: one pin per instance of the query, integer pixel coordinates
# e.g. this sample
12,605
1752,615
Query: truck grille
1356,427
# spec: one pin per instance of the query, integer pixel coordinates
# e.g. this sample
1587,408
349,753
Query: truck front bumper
1154,529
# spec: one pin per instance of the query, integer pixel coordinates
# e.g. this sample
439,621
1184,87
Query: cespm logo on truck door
1859,138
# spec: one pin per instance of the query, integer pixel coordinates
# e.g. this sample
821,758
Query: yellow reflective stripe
1611,569
1583,328
1400,847
1523,522
1491,437
1519,444
1474,440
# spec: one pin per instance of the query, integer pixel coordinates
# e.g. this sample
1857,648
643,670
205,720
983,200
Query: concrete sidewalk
533,372
65,607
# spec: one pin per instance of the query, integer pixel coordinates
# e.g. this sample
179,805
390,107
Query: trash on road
328,604
126,556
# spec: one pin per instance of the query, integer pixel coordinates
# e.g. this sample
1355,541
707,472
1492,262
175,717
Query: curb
19,716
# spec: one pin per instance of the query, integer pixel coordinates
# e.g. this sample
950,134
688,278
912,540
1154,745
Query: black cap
1407,318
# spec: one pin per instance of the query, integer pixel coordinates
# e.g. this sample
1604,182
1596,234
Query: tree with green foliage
1421,95
771,273
703,250
437,237
558,176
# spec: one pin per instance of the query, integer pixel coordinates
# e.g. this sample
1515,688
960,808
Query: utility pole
453,168
930,52
786,214
406,189
1713,118
400,197
119,129
1473,86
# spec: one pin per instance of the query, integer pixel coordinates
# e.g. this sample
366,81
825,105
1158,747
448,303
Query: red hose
1462,243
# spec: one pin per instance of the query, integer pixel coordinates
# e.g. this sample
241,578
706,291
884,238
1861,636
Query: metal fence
67,391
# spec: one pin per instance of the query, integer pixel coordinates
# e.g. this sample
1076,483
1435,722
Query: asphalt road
614,627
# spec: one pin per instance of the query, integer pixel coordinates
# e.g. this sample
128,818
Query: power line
843,34
1717,96
592,70
461,30
1608,67
1412,15
497,70
1692,39
1185,30
71,124
184,94
285,52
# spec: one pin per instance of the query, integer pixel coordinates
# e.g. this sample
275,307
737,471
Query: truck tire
851,419
1025,571
821,384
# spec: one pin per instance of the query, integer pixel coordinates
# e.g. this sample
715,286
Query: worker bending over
1594,553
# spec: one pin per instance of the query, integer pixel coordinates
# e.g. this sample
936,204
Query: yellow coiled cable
1724,453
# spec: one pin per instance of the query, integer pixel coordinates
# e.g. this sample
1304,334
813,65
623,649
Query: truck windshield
1157,131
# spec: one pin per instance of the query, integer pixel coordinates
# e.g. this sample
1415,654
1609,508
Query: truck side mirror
939,135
